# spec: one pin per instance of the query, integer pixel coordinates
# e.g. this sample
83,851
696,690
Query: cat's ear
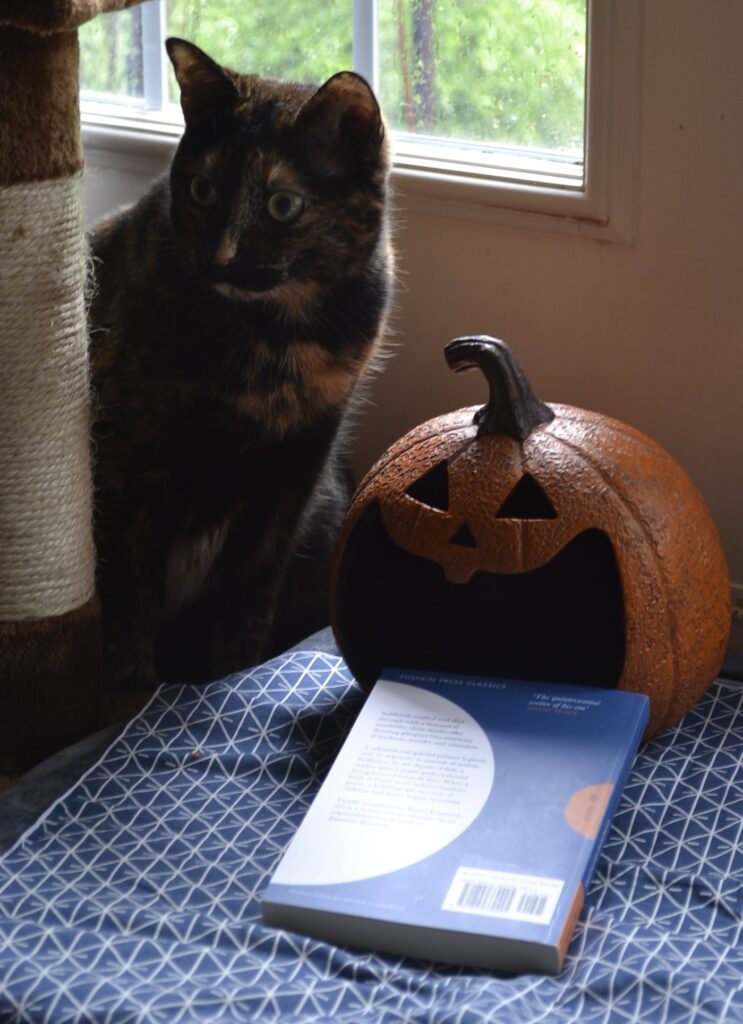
205,85
341,124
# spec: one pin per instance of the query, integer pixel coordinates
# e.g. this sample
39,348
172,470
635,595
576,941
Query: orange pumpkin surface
533,541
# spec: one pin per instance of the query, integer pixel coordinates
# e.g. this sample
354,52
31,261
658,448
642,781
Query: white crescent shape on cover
413,774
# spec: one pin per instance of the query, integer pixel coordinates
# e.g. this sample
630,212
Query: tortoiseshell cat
238,306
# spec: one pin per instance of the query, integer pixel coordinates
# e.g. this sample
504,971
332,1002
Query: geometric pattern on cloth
136,897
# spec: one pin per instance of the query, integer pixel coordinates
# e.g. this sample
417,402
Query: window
503,103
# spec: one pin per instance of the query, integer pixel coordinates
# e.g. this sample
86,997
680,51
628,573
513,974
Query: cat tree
49,621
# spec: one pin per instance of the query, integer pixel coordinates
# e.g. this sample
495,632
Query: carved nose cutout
432,488
463,536
527,501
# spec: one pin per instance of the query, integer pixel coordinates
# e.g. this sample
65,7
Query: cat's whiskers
297,299
333,319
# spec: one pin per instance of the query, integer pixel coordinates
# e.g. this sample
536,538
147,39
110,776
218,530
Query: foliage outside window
483,73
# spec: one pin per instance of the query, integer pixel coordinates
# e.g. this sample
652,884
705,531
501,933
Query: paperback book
461,820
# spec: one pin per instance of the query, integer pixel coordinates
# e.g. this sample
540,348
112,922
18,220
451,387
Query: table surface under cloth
135,897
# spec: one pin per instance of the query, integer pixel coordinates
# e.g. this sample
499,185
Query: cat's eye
203,191
285,206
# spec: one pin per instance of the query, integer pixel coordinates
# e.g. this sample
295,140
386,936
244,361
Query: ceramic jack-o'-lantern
532,541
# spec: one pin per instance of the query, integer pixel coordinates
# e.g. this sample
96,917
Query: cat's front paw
124,706
128,691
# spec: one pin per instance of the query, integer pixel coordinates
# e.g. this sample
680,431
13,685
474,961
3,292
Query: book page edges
571,920
440,945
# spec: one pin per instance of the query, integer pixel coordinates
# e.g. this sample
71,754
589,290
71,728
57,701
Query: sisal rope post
50,674
47,561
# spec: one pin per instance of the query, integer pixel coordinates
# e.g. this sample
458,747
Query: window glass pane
492,72
508,72
289,39
111,56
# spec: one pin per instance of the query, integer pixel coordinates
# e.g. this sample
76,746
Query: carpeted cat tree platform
49,622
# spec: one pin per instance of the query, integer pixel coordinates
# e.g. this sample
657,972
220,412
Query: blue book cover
461,820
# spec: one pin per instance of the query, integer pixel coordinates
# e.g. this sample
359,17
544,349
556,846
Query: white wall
650,332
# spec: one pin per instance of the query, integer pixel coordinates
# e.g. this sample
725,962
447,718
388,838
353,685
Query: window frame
515,187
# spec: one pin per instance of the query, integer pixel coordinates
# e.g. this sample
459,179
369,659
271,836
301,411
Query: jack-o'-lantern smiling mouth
562,621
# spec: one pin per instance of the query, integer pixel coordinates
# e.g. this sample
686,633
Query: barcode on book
503,894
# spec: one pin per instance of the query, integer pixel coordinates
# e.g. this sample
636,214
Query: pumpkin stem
513,408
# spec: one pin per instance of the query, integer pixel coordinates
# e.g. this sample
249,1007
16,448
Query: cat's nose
226,251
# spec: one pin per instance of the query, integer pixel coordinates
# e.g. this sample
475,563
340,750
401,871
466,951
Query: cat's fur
227,352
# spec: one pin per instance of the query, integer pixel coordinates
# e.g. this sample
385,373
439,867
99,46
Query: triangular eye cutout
432,488
527,501
464,537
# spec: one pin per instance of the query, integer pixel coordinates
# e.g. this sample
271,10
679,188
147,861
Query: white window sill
147,143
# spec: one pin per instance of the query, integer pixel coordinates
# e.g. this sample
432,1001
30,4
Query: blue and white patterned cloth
136,897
